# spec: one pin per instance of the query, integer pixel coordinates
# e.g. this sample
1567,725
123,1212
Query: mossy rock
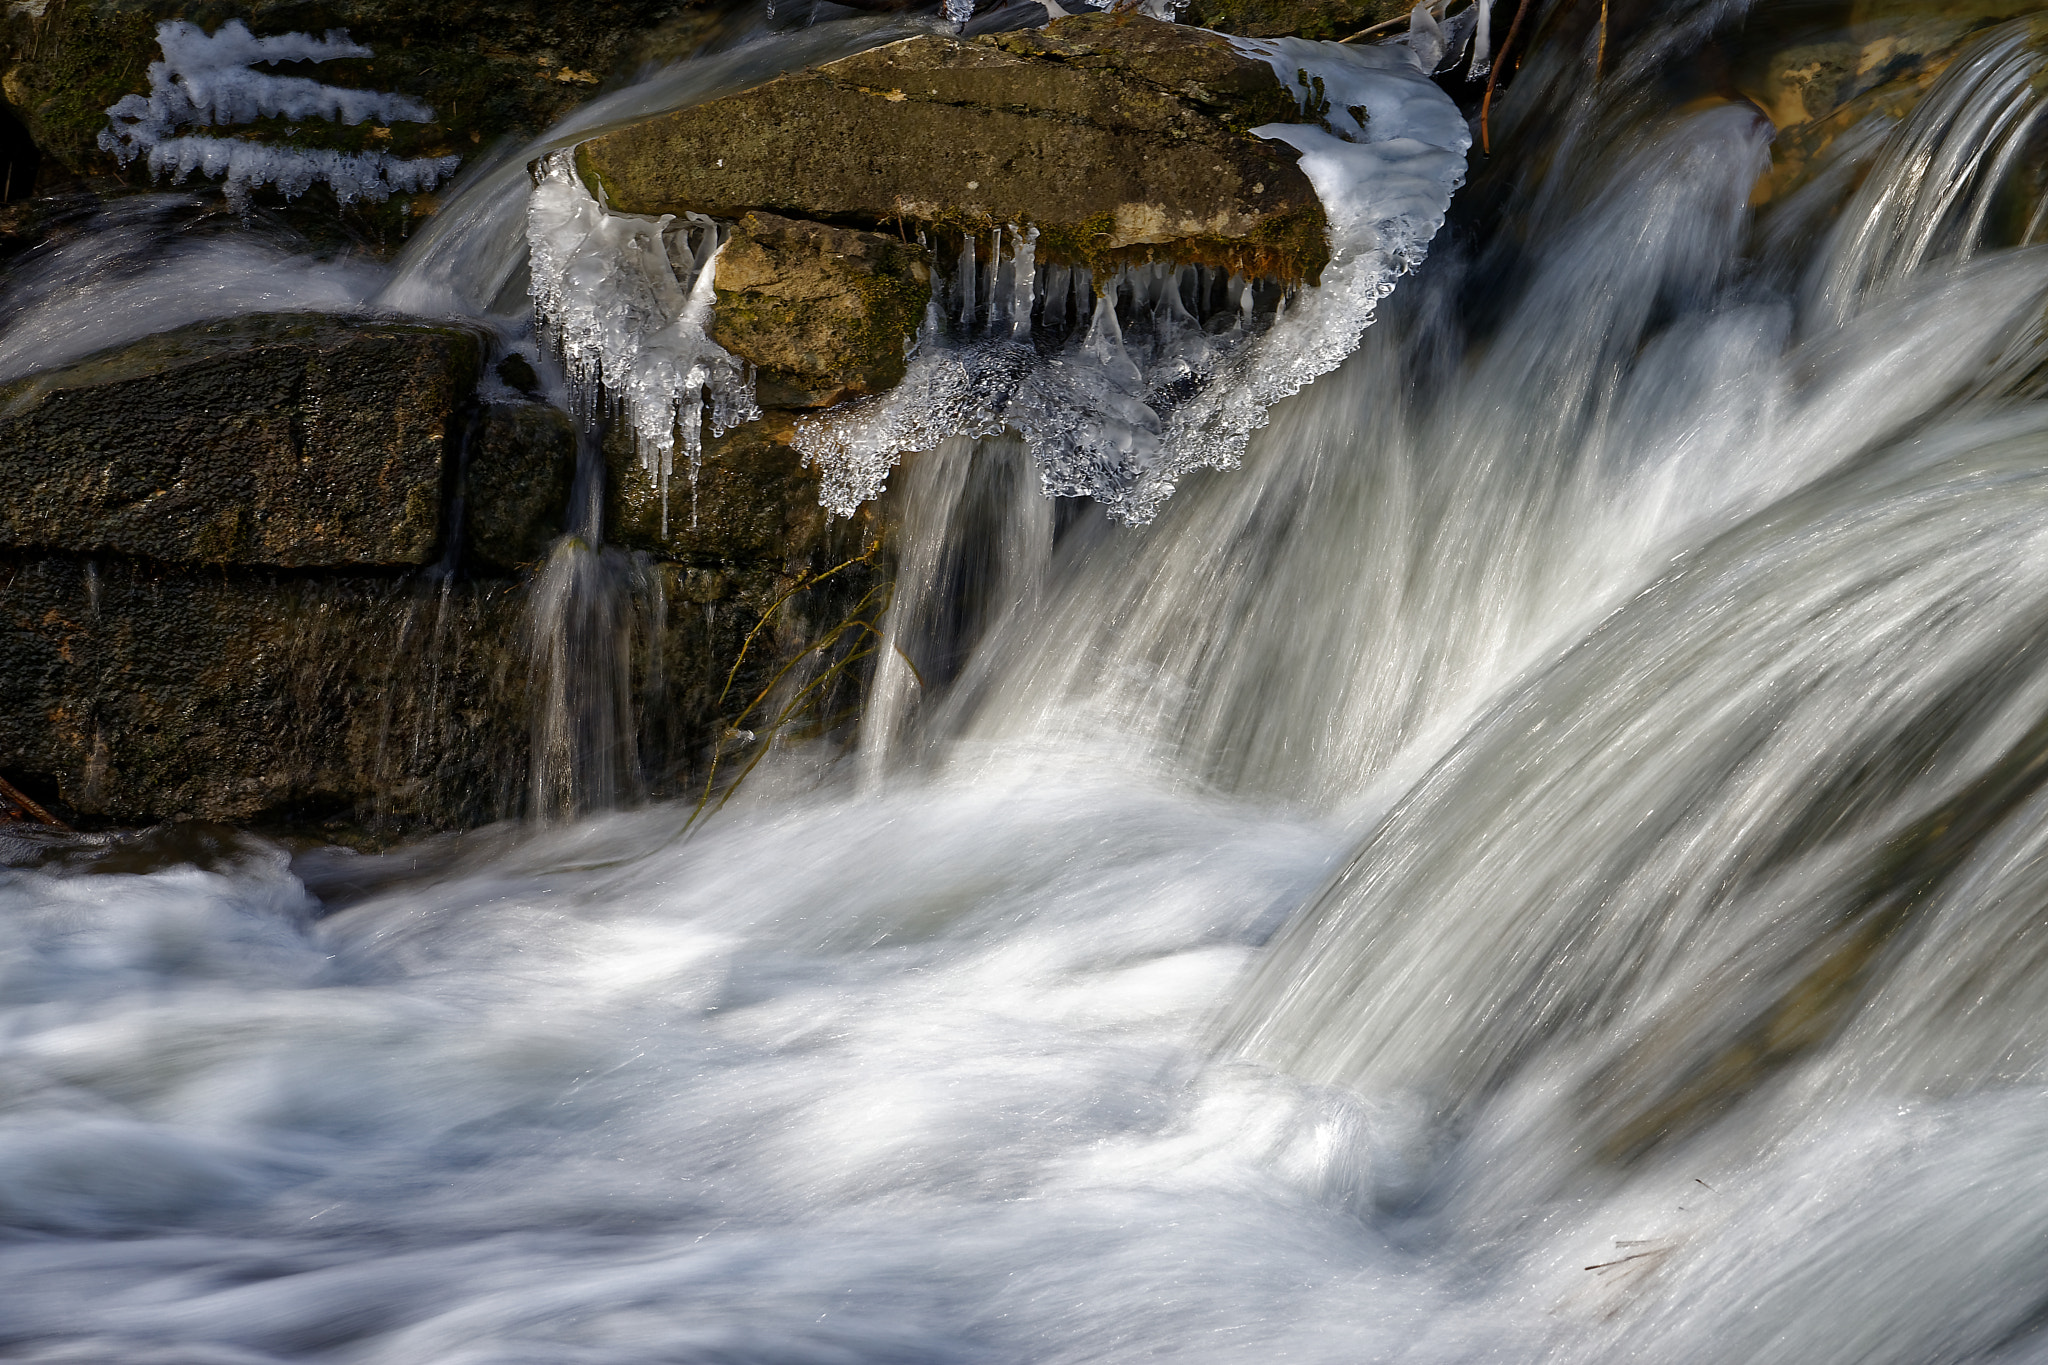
822,313
1068,130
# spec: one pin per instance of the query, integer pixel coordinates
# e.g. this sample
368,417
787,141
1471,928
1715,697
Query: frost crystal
207,81
626,299
1171,368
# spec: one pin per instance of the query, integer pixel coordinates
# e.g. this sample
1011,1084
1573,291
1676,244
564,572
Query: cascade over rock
278,569
1121,139
1863,66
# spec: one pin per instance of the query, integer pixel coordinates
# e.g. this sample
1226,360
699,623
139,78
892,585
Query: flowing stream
1546,861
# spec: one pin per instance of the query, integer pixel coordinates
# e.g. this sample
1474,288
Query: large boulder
279,570
1121,139
289,440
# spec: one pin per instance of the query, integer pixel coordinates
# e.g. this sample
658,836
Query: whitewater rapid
1544,862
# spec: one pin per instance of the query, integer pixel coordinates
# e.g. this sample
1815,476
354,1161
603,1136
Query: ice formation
1119,388
209,81
1170,369
626,299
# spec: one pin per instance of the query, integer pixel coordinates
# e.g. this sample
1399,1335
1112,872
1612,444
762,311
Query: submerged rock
1120,139
1871,61
822,313
290,440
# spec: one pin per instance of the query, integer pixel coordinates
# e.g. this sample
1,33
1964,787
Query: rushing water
1547,861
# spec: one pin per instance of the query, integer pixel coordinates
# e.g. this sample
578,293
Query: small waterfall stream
1544,862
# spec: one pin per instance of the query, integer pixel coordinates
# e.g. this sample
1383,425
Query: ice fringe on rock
627,300
208,81
1150,389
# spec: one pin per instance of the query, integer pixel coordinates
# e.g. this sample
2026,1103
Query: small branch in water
1493,74
1390,24
12,794
1600,56
1604,1265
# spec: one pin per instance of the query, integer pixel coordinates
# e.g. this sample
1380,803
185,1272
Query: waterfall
1542,861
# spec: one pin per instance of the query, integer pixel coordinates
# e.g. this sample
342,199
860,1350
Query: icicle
1139,392
1025,269
1482,42
1058,280
995,259
632,332
964,287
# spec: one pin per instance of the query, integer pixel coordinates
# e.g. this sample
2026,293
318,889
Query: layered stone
290,440
1119,138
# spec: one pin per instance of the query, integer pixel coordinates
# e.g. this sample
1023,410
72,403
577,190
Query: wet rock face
1120,138
292,441
822,313
133,692
517,478
211,577
1820,78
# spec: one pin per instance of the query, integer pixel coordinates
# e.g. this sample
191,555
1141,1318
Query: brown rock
1067,130
288,440
821,312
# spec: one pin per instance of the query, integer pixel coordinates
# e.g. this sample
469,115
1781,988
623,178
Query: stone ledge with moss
1066,129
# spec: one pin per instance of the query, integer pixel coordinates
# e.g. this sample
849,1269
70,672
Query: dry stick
1384,25
759,625
1600,57
1623,1261
41,816
1500,58
852,620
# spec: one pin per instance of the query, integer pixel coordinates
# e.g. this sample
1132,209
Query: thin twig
797,587
1624,1260
1500,58
1386,24
37,813
1600,57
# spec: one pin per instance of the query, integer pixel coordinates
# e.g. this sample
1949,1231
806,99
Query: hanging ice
1176,366
209,81
627,299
